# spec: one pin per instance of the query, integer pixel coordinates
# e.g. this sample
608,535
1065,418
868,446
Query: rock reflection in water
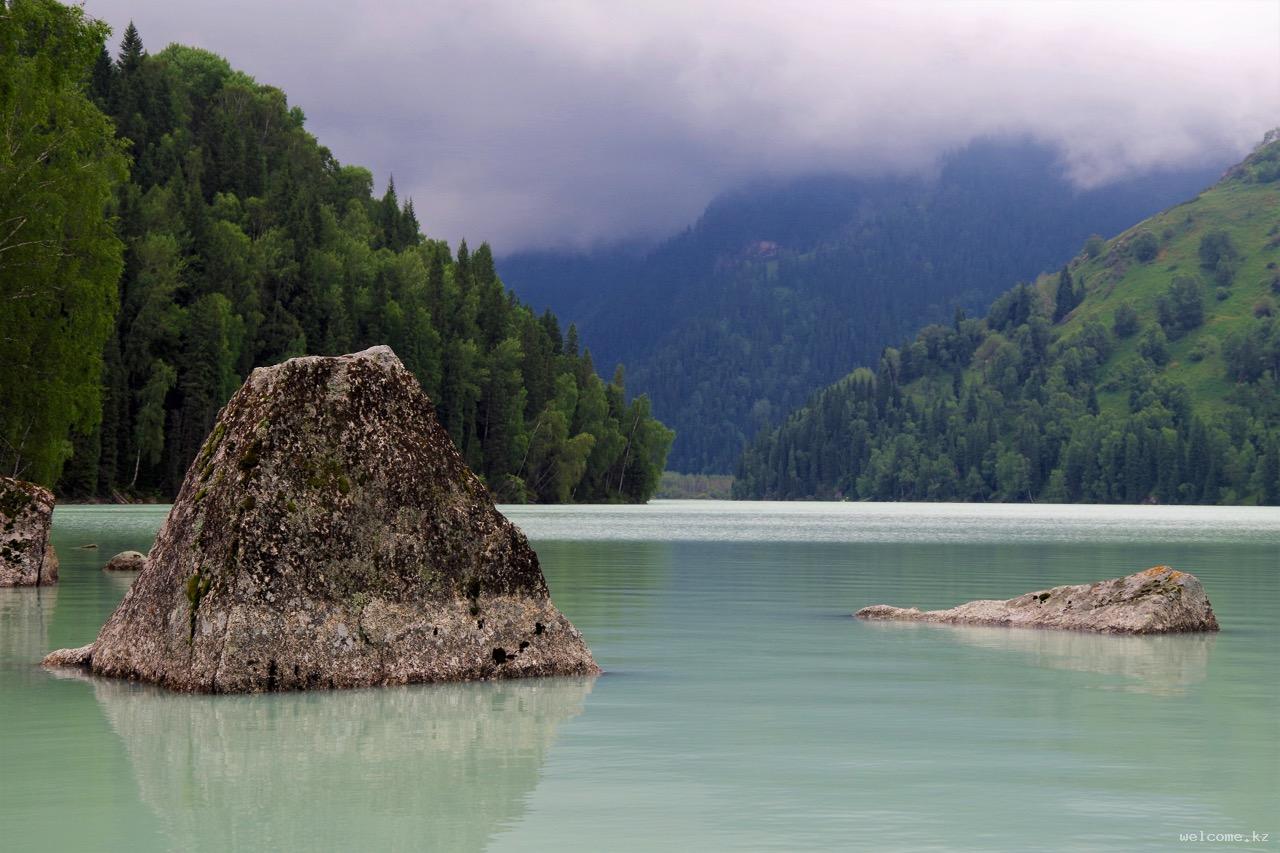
1162,665
433,767
121,580
25,615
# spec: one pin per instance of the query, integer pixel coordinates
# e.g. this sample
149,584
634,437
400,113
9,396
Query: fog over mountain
568,123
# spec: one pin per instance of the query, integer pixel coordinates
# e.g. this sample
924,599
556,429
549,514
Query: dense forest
782,285
173,225
1146,370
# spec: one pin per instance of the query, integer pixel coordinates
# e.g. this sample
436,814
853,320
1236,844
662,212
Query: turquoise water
742,708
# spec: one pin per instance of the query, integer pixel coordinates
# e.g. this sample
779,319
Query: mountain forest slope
240,241
1147,369
781,285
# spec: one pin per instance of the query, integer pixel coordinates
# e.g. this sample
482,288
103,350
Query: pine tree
101,79
248,244
131,50
551,326
1269,470
410,231
206,377
389,218
1066,297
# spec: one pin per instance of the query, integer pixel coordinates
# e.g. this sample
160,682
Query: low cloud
569,123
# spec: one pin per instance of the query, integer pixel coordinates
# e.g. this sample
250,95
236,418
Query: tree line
1001,409
197,230
780,287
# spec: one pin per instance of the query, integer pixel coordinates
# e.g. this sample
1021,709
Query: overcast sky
567,123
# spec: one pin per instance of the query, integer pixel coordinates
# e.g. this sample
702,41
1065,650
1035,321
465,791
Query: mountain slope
1148,369
781,285
248,243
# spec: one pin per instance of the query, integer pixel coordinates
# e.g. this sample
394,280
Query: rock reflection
25,616
433,767
121,580
1162,665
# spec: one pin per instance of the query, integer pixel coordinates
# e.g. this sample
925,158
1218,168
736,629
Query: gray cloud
566,123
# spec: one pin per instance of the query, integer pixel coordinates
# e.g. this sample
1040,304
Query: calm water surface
742,708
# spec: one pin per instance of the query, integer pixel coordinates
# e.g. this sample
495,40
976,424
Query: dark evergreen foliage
1145,247
1154,346
780,286
1008,408
248,243
1253,355
1066,296
1126,321
1219,255
973,413
1181,309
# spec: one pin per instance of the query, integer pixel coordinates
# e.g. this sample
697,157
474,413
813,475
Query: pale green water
742,708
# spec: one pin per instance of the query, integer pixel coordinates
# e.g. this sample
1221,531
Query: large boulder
27,557
328,534
1159,600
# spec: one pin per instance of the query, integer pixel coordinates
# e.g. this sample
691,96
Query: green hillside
781,286
1246,208
1146,370
137,295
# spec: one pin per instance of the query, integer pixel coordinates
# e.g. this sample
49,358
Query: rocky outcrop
1159,600
79,656
126,561
328,534
27,557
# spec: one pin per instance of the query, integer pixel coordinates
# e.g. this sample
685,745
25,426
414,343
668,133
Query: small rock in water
27,557
69,657
328,534
1160,600
126,561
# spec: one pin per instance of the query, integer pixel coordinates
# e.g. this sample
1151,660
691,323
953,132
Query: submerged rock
1159,600
27,557
328,534
126,561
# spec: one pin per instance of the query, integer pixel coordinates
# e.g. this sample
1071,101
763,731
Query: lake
742,707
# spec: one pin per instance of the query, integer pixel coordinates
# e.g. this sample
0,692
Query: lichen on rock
1159,600
27,557
328,534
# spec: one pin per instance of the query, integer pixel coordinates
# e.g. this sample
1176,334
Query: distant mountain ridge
781,285
1146,370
